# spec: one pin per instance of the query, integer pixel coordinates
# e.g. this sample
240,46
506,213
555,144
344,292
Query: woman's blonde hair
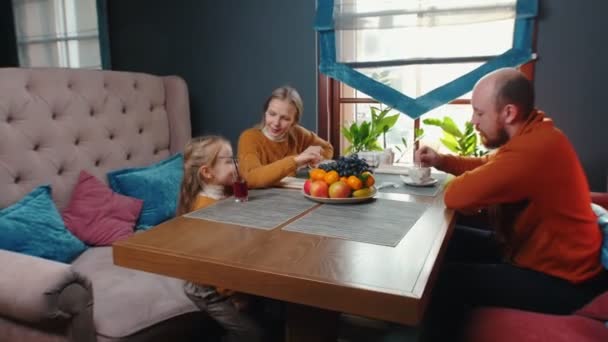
285,93
199,151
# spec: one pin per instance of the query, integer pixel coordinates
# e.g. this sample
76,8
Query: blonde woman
278,146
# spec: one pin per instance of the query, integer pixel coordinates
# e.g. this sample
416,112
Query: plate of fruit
345,180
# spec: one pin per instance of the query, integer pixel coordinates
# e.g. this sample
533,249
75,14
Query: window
398,44
57,33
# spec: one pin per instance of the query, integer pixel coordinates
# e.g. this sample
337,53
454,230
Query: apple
319,188
339,190
307,186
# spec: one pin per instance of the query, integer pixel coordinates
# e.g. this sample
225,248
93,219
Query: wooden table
332,275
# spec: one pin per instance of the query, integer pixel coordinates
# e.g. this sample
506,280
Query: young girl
209,171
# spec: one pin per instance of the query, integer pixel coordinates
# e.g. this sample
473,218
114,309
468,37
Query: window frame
63,39
330,102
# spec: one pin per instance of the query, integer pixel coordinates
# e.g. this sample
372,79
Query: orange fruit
354,182
344,179
368,179
331,177
317,174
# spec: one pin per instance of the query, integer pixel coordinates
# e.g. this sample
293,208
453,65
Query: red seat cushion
508,325
597,309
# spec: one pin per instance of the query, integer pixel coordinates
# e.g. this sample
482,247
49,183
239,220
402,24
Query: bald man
543,253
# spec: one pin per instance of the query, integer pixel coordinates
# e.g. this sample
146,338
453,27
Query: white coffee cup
420,174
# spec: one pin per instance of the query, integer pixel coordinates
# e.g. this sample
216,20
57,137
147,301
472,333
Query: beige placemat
266,209
382,222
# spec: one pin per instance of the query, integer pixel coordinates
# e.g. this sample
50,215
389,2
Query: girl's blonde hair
198,152
285,93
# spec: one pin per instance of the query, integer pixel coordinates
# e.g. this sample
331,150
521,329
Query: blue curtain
520,53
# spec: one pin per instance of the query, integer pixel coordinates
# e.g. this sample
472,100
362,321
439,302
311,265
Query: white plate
340,200
408,181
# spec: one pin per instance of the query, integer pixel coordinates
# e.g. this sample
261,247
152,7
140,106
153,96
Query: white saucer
408,181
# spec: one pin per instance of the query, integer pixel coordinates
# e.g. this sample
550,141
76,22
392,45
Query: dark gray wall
571,77
8,41
232,53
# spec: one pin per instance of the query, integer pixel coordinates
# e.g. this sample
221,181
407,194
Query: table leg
305,323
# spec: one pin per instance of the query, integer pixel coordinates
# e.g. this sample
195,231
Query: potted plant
363,137
463,143
418,134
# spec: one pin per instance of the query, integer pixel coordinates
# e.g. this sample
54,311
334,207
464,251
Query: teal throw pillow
34,226
602,220
157,185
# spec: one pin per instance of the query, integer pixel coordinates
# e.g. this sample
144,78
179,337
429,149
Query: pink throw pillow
97,215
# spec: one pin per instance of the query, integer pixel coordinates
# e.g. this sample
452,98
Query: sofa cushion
127,301
157,185
506,325
33,226
97,215
597,309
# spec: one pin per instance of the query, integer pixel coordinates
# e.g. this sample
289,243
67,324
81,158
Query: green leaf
468,128
373,146
364,130
450,142
471,139
450,126
389,121
346,134
374,115
433,122
418,134
354,131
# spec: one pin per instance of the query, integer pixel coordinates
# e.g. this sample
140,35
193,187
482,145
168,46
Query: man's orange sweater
264,162
556,232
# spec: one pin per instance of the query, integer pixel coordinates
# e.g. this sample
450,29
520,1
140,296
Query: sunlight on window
372,31
428,42
57,33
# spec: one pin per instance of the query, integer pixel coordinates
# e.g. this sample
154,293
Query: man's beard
500,139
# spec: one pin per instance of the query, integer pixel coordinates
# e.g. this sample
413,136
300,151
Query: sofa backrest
56,122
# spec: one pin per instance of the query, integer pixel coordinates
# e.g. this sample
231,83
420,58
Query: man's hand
427,157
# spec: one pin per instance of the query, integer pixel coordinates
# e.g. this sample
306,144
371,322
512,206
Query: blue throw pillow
33,226
602,220
157,185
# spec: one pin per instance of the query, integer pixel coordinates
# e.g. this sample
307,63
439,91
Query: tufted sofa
53,124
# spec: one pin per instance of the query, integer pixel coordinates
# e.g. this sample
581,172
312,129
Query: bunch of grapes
347,166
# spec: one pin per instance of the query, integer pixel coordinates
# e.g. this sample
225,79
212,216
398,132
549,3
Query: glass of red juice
239,189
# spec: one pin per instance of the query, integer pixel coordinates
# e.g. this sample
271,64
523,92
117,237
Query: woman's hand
311,155
427,157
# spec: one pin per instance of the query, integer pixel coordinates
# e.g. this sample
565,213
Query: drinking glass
239,189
